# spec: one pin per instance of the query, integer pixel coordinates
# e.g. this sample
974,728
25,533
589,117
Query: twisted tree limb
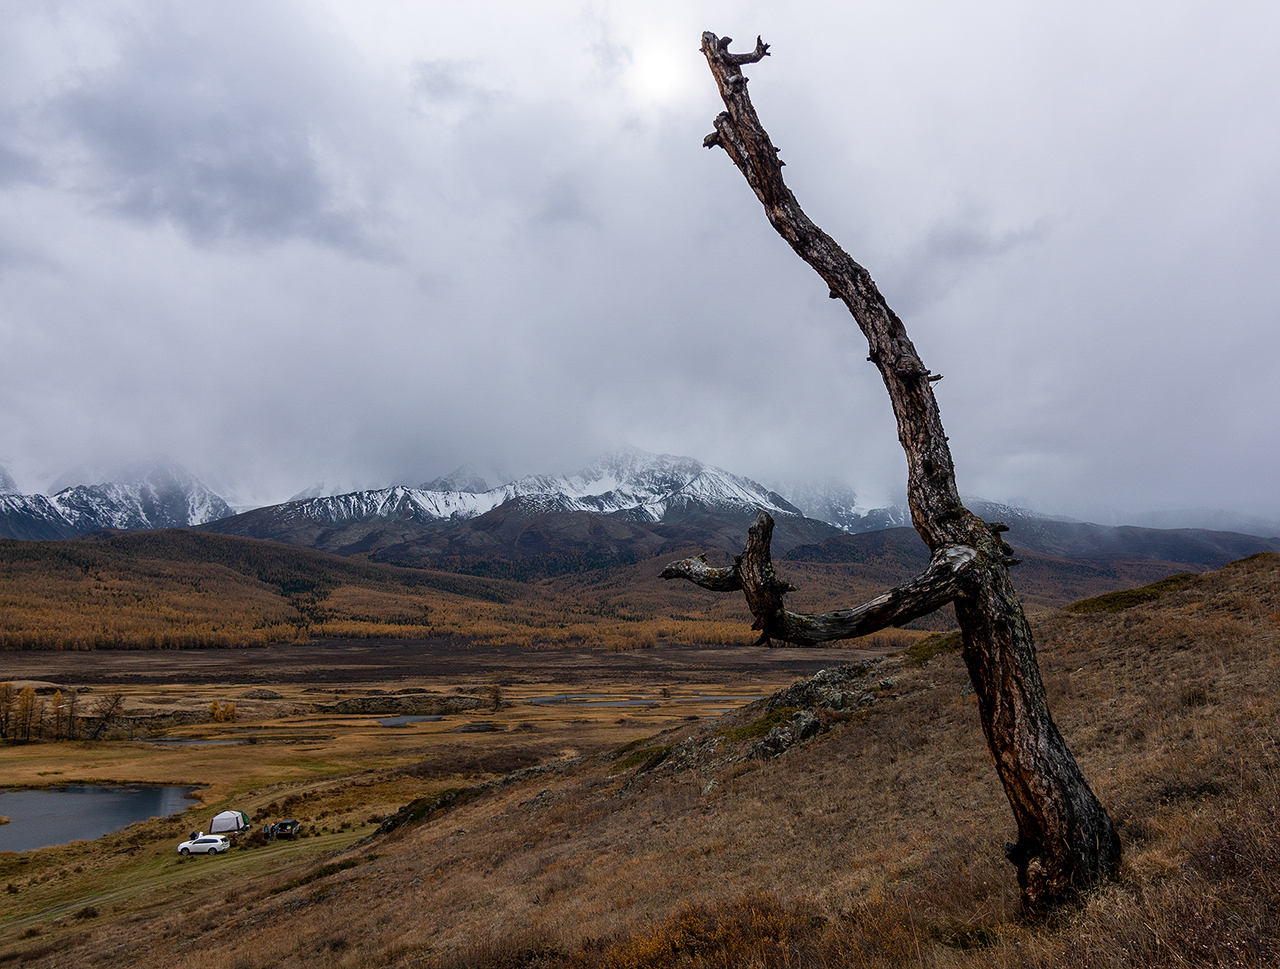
753,573
1066,840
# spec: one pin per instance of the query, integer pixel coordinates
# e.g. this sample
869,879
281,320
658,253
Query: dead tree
106,710
1066,841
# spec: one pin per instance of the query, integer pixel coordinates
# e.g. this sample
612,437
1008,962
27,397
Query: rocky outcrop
802,725
762,730
841,688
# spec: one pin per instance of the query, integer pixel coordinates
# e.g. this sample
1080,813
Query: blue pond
57,815
604,700
406,720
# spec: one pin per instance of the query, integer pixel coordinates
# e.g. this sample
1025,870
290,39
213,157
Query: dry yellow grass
183,590
878,843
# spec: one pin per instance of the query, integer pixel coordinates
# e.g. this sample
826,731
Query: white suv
209,844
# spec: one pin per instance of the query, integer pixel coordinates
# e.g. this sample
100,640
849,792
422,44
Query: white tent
229,821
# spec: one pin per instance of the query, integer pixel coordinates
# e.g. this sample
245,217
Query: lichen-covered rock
802,725
840,688
760,730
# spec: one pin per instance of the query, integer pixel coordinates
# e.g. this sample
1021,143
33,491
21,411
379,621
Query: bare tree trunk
106,710
1066,841
8,698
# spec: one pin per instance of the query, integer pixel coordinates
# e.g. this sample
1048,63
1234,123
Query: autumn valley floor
667,833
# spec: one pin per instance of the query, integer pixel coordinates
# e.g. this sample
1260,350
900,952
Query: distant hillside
180,588
1193,548
624,508
186,589
577,584
521,540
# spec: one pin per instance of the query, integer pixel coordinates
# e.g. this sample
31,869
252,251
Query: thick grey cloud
227,120
290,241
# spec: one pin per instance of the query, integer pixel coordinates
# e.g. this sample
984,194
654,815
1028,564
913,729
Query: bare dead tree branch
1066,840
106,710
752,572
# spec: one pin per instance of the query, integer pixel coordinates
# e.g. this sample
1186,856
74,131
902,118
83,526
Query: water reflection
406,720
610,700
56,815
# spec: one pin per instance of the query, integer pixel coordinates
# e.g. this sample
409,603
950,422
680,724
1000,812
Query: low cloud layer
289,242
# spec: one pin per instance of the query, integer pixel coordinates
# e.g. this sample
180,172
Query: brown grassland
180,589
662,834
184,590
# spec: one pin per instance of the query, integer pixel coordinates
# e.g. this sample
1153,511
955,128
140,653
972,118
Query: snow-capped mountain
836,503
629,503
638,485
32,517
465,478
162,495
628,485
7,485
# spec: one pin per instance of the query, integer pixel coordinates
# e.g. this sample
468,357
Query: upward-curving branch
752,572
1066,841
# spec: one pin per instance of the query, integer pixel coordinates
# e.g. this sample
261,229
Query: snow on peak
464,478
157,495
632,481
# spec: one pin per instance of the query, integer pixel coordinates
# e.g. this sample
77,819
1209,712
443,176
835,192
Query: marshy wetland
338,734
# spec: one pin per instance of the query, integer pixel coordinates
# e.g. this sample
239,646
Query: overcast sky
366,241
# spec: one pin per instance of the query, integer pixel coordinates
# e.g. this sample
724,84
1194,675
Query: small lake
609,700
76,812
406,720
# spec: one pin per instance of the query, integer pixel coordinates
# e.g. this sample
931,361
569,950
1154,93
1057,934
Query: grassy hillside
188,589
877,841
175,588
185,589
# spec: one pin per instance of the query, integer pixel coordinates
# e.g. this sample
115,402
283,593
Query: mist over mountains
162,495
627,504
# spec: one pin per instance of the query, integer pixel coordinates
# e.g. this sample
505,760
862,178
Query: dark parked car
288,828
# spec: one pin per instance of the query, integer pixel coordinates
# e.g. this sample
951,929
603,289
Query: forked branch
752,572
761,51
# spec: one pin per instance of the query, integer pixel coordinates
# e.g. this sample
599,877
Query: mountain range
627,505
162,495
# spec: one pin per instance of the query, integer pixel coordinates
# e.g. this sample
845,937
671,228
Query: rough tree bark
1066,841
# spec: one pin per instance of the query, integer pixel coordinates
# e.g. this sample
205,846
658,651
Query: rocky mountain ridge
627,504
160,496
641,486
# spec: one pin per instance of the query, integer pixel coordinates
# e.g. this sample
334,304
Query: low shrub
646,759
939,644
1128,598
758,728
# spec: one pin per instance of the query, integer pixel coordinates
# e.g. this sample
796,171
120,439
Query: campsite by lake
338,734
